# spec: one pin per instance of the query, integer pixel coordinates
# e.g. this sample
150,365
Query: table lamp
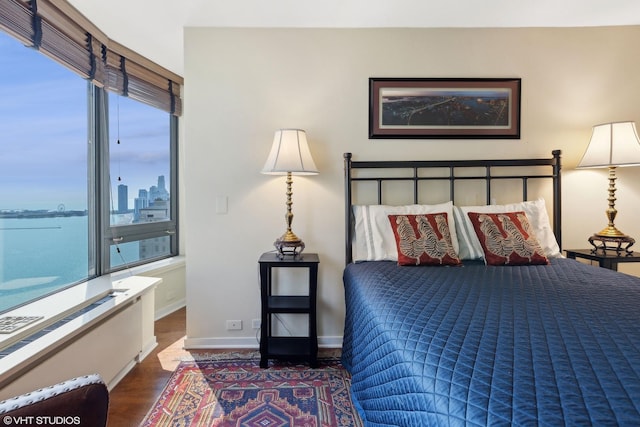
289,156
612,145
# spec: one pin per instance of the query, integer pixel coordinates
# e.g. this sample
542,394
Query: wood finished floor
132,398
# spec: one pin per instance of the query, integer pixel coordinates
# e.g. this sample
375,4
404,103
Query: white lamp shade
290,153
612,144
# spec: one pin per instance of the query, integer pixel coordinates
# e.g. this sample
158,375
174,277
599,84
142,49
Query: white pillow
536,212
373,237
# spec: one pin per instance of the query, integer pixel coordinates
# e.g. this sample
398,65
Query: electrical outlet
234,325
255,323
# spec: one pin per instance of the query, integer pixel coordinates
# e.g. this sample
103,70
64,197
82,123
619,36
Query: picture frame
436,108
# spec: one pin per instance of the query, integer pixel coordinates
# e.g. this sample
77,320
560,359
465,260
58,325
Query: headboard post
347,207
557,200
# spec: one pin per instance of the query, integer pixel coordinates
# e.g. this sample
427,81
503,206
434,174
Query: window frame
110,234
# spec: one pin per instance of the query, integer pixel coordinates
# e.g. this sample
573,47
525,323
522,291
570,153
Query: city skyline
150,194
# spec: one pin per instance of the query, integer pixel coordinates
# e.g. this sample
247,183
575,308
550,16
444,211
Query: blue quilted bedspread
476,345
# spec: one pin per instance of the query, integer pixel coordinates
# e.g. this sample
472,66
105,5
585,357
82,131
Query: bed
553,342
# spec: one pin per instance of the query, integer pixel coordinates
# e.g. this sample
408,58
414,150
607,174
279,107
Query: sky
391,92
43,135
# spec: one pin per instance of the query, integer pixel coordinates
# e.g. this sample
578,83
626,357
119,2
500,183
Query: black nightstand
609,260
287,347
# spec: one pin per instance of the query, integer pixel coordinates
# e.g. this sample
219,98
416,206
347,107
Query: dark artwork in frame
437,108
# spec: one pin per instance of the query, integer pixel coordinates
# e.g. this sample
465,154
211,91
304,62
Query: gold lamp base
289,243
610,234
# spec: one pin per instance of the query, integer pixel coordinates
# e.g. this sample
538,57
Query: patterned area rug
237,392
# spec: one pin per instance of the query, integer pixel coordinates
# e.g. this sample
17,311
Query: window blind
135,76
16,19
59,31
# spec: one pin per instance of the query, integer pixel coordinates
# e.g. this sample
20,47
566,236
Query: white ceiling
154,28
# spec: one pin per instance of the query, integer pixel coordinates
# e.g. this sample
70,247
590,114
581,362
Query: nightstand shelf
289,304
288,347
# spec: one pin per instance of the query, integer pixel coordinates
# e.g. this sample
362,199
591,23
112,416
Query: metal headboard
452,165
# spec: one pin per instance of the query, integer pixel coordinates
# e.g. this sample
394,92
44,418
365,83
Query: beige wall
242,84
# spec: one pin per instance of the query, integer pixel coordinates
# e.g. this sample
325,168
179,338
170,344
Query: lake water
40,255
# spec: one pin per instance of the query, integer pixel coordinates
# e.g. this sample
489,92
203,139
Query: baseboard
167,310
220,343
330,342
148,348
248,343
120,375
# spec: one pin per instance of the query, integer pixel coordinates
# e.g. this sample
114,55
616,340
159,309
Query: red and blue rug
237,392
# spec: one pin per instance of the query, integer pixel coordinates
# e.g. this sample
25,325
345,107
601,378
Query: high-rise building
140,202
123,198
155,247
158,192
158,211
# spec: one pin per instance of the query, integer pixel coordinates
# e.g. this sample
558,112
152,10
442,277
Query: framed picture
444,108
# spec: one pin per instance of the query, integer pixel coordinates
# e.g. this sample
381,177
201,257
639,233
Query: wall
243,84
170,295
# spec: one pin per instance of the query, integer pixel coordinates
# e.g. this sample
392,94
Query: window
141,190
75,204
44,231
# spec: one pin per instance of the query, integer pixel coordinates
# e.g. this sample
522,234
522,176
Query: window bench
102,326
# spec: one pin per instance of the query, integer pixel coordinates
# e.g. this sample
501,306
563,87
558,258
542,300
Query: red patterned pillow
507,239
423,239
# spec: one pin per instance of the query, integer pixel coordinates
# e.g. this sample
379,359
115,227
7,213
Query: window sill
156,267
124,287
